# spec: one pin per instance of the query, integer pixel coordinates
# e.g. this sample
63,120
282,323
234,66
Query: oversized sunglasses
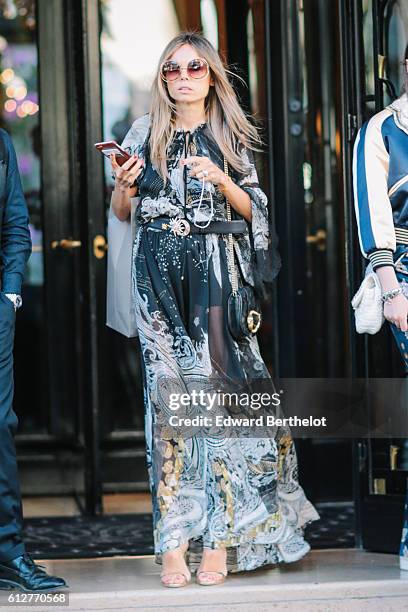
196,69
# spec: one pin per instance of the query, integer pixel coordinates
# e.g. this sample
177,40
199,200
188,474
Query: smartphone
109,147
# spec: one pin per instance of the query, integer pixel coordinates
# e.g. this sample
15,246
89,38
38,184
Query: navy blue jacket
15,239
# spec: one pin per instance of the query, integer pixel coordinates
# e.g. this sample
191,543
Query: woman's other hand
396,309
204,168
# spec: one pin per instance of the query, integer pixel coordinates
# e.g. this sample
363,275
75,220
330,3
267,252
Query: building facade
75,72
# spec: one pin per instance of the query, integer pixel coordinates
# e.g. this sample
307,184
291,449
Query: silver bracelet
389,295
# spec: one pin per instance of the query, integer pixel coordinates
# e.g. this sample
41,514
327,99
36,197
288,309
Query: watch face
18,301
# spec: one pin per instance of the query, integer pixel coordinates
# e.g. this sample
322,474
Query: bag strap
232,266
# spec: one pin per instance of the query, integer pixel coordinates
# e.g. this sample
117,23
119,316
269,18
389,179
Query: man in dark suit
17,568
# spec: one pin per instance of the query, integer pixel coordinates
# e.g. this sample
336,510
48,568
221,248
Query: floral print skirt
234,492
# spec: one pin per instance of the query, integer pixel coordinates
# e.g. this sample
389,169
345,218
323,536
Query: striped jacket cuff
381,257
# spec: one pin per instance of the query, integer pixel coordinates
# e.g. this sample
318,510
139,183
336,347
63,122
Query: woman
236,501
380,168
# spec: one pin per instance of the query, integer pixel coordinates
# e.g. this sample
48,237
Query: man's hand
15,299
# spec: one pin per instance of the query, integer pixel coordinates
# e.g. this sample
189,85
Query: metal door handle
100,246
66,243
393,456
319,239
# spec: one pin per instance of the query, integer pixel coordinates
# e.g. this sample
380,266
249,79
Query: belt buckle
180,227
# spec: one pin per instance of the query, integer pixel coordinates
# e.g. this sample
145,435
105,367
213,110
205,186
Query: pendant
180,227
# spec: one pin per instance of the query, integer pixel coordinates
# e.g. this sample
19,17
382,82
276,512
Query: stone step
324,580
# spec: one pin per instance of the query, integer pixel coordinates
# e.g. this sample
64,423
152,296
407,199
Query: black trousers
11,516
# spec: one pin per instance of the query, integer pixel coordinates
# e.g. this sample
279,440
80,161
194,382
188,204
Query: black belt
183,227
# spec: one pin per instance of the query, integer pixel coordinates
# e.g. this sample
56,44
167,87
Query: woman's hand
396,311
126,174
204,168
237,197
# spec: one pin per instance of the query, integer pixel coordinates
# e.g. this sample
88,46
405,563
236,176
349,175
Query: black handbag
243,307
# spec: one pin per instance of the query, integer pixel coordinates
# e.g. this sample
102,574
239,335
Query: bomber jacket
15,239
380,182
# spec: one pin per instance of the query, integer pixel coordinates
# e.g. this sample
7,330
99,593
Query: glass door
20,116
375,34
270,45
306,120
128,65
35,110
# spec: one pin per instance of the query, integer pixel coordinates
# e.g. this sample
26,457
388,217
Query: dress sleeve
135,141
266,261
371,202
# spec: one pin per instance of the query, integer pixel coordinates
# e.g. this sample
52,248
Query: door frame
378,517
69,312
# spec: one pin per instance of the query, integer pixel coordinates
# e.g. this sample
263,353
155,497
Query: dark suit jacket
15,239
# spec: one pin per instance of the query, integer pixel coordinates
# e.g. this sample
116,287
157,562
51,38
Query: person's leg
11,520
401,340
403,552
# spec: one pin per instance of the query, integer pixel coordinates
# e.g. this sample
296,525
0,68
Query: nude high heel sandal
211,577
180,578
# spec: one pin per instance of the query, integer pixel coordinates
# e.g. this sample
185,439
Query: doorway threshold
342,580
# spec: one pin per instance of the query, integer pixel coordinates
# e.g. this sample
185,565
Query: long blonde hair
226,119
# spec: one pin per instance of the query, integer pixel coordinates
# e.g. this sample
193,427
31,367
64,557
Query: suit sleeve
371,202
134,142
15,236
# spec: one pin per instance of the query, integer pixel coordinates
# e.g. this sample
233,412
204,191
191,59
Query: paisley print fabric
236,492
257,251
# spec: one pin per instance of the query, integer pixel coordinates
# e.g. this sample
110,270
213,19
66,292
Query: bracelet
389,295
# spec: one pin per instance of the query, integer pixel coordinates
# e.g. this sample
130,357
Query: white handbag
368,305
120,311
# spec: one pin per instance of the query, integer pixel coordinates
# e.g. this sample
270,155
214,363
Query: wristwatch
16,299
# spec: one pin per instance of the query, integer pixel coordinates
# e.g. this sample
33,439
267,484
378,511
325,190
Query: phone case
107,148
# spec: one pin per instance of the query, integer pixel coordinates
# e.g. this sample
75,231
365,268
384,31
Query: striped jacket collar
399,109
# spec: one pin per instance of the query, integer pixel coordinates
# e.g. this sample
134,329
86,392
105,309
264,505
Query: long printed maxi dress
235,492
